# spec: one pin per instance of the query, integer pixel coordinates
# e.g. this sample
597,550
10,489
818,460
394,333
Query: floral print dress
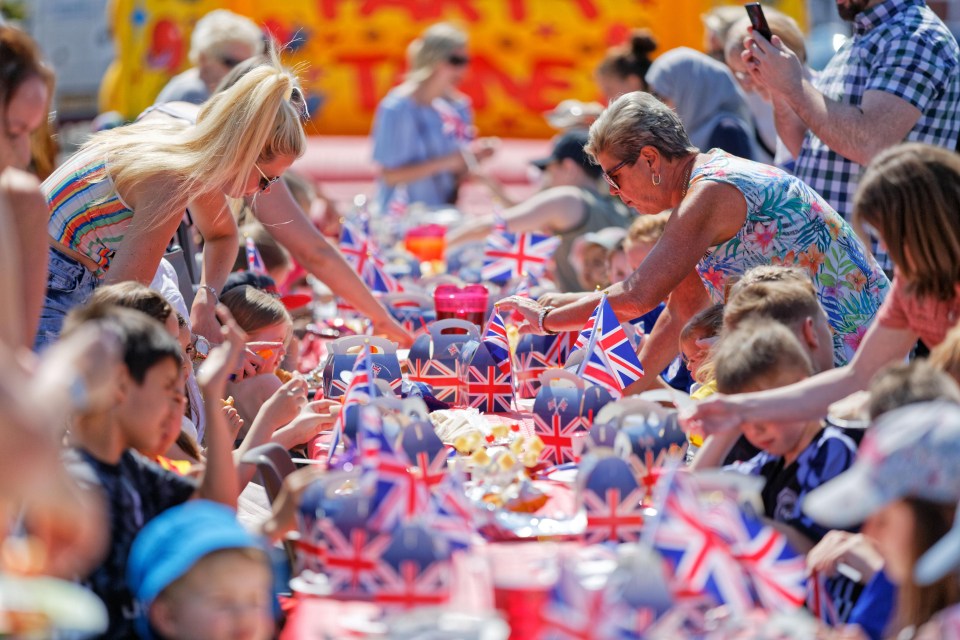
789,224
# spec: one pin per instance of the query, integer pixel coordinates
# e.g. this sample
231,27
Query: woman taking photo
117,202
729,215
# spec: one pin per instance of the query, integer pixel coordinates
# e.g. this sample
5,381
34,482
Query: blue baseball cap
173,542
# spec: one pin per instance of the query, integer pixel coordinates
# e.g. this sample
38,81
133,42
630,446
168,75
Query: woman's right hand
528,309
715,414
394,331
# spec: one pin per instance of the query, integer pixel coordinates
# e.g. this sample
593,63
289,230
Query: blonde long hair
252,121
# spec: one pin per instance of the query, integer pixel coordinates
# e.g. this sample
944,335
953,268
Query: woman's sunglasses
265,182
458,60
229,62
608,175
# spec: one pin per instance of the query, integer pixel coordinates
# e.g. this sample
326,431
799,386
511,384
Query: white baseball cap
913,451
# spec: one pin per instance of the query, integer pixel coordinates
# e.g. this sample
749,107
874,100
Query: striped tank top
86,212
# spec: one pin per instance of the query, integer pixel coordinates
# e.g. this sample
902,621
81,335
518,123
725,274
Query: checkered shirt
900,47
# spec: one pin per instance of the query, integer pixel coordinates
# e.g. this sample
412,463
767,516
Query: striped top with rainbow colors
86,212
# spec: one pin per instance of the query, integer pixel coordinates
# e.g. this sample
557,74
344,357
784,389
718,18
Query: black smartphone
758,20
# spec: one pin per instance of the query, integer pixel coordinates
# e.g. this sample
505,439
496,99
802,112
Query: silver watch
540,318
201,349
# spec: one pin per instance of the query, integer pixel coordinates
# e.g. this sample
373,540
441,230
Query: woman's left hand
528,309
203,317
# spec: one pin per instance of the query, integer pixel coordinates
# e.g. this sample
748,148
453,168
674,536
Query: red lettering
518,10
588,8
547,75
423,10
484,75
364,66
328,8
536,92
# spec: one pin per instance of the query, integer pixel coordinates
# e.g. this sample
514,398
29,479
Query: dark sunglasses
265,182
607,175
229,62
458,60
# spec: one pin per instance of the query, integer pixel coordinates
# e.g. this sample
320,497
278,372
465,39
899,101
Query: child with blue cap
196,573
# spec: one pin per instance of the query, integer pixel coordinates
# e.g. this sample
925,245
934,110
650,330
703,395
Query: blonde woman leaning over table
116,203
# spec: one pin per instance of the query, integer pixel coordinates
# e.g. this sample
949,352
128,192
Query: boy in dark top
795,458
102,452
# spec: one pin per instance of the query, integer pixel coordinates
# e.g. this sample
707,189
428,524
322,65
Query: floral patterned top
789,224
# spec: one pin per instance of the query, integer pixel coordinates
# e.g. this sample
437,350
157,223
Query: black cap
570,145
250,279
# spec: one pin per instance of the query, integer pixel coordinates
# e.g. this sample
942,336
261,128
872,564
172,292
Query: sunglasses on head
265,182
458,60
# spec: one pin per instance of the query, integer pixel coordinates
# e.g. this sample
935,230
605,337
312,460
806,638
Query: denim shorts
69,284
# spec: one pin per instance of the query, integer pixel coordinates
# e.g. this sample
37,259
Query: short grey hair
220,27
433,47
636,120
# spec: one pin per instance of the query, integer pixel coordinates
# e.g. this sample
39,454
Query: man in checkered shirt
897,78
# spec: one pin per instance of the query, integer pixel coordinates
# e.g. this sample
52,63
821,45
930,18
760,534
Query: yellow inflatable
527,55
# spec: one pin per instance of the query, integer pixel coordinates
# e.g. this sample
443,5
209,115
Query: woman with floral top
910,198
729,215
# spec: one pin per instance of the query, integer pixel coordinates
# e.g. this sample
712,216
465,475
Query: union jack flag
376,277
509,255
399,202
819,601
610,360
777,573
454,125
523,287
496,341
488,389
702,562
351,562
362,253
254,259
399,494
452,512
575,612
411,586
530,364
355,245
437,373
557,436
410,314
561,346
613,517
583,338
361,382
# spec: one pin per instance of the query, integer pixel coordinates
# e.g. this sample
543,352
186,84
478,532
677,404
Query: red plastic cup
466,303
426,242
522,575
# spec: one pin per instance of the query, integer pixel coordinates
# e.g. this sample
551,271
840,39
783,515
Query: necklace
686,179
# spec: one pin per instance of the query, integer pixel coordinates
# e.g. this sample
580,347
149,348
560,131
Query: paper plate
65,605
